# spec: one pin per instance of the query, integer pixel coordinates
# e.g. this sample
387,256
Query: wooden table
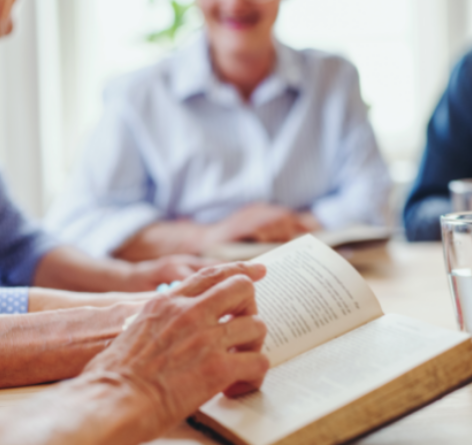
412,283
415,284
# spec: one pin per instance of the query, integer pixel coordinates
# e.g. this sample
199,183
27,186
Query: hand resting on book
175,356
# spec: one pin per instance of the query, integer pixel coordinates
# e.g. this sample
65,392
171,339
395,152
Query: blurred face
5,17
239,25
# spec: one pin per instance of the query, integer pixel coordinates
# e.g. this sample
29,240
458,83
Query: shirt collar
287,76
289,66
192,73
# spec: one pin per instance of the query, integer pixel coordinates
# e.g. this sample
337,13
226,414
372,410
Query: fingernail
163,287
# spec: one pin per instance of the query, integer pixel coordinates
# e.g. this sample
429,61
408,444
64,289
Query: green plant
180,19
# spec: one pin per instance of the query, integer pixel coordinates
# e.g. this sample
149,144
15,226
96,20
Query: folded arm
69,268
257,222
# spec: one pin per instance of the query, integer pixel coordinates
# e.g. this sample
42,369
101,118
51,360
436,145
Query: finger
183,271
185,266
196,263
248,370
208,277
243,333
240,388
234,296
205,262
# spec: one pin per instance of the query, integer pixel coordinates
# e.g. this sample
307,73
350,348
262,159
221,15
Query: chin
238,40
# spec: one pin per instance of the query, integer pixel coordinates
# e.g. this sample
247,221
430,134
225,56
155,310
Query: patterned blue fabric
13,300
21,244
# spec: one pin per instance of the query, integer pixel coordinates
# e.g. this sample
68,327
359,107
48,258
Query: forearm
69,268
51,299
49,346
93,409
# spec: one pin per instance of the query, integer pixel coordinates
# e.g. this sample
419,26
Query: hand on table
265,223
147,275
178,353
256,222
68,268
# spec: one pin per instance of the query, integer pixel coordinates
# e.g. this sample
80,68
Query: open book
360,245
339,367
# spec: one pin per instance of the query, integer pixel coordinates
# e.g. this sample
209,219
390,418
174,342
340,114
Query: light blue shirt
175,142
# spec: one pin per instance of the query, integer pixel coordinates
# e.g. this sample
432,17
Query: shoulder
325,72
328,64
460,82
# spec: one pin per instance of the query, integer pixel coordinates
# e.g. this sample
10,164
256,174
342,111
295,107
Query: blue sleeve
447,156
14,300
22,244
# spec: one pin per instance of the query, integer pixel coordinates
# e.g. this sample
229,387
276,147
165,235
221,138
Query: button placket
255,141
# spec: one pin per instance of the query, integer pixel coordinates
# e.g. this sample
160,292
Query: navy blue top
448,156
22,244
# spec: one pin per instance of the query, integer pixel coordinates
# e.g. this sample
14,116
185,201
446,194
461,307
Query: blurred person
234,137
447,156
59,335
173,358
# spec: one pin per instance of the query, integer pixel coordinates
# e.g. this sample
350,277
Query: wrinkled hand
147,275
262,223
179,353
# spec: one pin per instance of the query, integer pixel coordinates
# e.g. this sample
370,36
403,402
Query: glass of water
457,244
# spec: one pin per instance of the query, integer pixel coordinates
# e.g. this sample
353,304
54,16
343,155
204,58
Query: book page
314,384
309,296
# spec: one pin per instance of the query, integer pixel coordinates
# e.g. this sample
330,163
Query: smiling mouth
240,23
